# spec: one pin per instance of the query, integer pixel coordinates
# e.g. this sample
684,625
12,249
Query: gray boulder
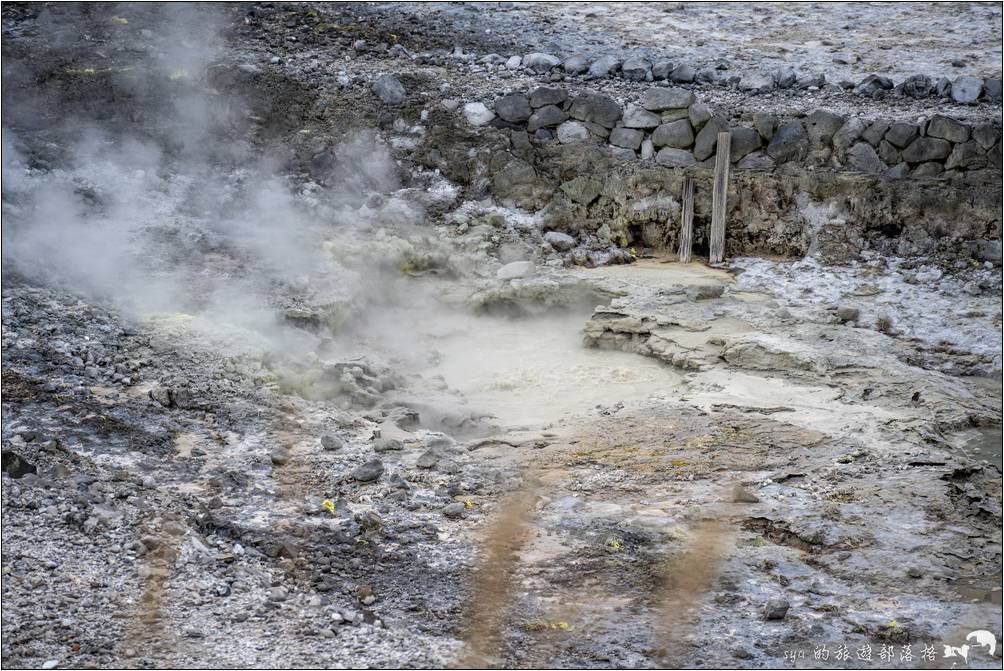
966,90
571,132
560,241
477,114
901,134
744,142
540,62
862,157
683,73
821,125
776,609
575,65
699,114
947,129
647,150
628,138
707,137
967,155
547,95
389,90
790,142
636,69
756,81
848,134
661,98
925,149
917,86
765,124
808,80
676,134
675,158
888,153
873,84
875,133
992,90
636,116
662,69
550,115
595,108
986,135
604,66
387,445
368,472
898,170
784,77
943,87
513,107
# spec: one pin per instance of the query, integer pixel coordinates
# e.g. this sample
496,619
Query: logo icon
981,638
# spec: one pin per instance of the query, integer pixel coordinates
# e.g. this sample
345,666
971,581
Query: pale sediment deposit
342,335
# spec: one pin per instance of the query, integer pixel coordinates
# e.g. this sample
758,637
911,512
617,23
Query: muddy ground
278,392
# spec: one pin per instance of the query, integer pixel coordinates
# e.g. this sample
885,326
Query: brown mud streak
687,577
491,587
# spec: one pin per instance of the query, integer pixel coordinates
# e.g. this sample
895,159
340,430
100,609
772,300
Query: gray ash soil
270,401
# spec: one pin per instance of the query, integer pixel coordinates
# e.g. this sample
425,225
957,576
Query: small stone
454,510
677,134
915,572
683,73
947,129
330,442
550,115
925,149
966,90
776,609
280,457
387,445
647,150
790,142
756,161
636,69
50,664
450,105
389,90
862,157
547,95
636,116
540,62
848,133
560,241
627,138
278,594
662,69
513,62
699,114
744,141
821,125
872,84
603,66
707,137
595,108
846,313
427,459
571,132
477,114
765,124
575,65
369,471
660,99
513,107
756,81
917,86
675,158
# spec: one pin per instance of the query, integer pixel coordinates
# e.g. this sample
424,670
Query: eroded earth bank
354,335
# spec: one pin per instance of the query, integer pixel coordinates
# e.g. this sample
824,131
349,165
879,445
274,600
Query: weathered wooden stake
687,220
716,243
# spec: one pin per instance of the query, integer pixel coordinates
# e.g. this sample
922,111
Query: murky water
533,372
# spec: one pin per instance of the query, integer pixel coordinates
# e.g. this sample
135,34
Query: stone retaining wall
672,128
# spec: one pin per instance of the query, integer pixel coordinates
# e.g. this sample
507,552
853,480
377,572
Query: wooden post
716,242
687,220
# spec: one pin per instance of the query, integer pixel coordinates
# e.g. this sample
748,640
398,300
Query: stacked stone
963,89
668,125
